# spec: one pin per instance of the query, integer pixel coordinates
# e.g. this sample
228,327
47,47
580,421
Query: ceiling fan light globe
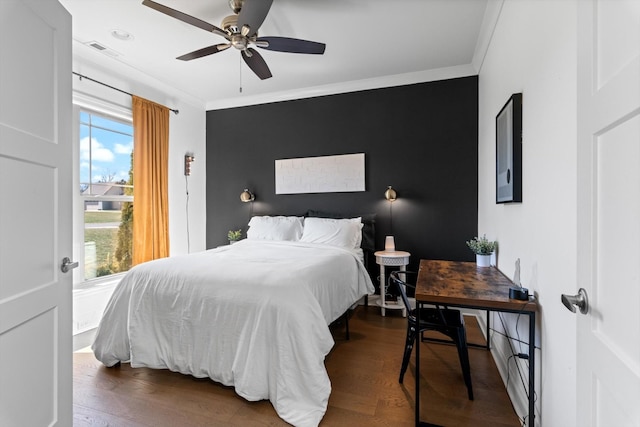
236,5
230,24
245,30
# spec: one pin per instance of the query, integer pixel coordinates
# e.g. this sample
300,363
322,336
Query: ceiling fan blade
254,60
252,15
185,18
204,51
286,44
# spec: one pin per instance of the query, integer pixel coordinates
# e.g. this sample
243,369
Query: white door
608,353
35,214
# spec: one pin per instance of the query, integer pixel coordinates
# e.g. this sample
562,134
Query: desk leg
532,368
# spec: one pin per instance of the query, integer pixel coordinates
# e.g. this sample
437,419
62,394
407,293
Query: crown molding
346,87
487,28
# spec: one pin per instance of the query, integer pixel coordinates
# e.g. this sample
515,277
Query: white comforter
252,315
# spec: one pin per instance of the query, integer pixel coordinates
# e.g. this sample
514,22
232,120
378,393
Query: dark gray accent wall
422,139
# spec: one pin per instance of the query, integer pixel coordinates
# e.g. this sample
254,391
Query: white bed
253,315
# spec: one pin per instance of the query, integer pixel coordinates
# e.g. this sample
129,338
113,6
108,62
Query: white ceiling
367,41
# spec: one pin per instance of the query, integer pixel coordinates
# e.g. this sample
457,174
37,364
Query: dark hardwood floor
364,377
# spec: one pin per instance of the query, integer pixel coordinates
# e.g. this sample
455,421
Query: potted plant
483,248
234,236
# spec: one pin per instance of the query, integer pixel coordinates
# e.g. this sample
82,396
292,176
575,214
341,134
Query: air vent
102,48
97,45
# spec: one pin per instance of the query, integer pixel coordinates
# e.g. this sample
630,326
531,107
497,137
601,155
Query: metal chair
447,321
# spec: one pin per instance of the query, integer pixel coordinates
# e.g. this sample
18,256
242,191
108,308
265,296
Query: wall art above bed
324,174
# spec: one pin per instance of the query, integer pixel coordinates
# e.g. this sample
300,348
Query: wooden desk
462,284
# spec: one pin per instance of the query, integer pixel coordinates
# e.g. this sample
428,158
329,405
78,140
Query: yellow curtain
150,184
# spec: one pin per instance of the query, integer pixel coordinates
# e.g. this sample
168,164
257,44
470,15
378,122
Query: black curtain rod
114,88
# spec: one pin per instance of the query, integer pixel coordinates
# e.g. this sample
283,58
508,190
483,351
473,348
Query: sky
109,152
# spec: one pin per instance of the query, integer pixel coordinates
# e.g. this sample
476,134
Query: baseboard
84,339
89,304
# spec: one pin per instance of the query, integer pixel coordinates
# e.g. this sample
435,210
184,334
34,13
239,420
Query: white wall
186,135
533,51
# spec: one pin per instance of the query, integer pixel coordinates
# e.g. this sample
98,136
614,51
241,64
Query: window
105,195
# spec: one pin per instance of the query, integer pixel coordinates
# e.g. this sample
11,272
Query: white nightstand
390,259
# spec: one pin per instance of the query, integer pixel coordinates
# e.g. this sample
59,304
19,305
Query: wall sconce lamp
390,194
247,196
188,159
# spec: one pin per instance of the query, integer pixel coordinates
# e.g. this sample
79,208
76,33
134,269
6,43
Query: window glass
106,189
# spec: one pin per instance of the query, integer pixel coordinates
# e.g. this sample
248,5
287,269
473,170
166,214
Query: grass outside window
101,240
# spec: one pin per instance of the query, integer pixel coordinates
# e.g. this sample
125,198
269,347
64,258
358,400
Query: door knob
572,301
67,264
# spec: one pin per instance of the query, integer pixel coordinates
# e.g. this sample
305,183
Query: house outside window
104,199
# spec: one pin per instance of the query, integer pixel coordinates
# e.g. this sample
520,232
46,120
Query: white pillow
345,233
358,221
275,228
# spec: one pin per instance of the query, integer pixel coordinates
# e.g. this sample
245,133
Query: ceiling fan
241,30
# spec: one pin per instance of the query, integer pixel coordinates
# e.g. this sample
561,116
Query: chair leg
463,354
411,337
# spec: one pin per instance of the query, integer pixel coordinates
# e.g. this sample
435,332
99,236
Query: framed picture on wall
509,151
